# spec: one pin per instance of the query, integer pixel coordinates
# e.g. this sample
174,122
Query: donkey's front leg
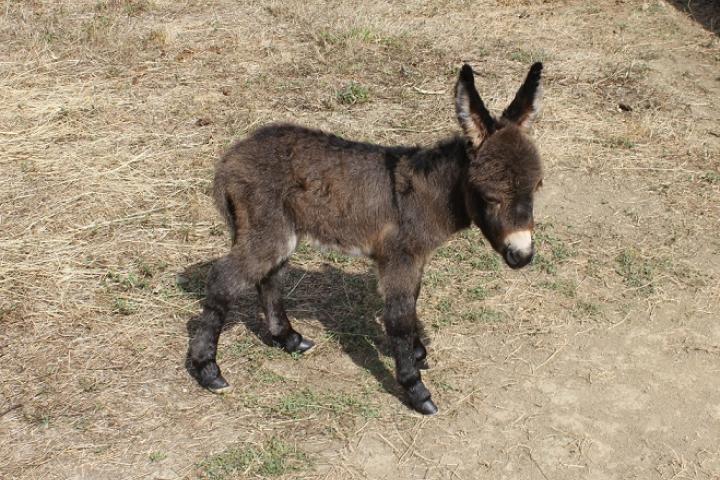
399,283
399,317
419,348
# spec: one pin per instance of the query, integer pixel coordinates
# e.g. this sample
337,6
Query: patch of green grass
591,10
472,235
7,310
477,293
637,272
337,258
269,377
303,248
49,37
279,457
649,55
88,385
227,464
593,267
28,166
551,250
274,458
300,403
305,402
149,270
559,249
625,74
484,315
155,38
544,263
124,306
44,421
136,7
632,215
218,229
470,246
433,278
129,7
564,287
359,36
355,337
655,8
157,456
486,261
250,350
711,177
444,306
528,56
352,94
444,386
330,37
96,29
586,309
619,142
129,281
446,251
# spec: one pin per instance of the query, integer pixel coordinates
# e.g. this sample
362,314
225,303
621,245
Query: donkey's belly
348,218
333,231
355,249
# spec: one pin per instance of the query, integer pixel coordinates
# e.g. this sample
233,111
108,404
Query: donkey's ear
474,118
525,107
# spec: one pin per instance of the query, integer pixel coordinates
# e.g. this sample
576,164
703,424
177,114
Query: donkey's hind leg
226,280
270,298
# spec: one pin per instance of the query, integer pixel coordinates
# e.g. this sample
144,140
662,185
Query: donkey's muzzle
516,258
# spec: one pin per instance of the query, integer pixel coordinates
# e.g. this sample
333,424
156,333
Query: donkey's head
504,170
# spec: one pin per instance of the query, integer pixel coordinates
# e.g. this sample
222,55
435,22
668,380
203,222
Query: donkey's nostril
518,258
511,258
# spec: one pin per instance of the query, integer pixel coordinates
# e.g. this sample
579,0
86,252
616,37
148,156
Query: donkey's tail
226,206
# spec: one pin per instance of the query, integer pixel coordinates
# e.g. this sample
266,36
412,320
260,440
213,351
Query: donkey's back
285,181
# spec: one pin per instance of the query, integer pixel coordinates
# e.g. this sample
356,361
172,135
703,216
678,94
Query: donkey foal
395,205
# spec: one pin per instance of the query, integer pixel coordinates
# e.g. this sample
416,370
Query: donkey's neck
442,169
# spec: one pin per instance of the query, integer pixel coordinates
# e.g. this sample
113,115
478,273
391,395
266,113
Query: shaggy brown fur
395,205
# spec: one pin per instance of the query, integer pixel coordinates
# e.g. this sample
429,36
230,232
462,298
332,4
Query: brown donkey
395,205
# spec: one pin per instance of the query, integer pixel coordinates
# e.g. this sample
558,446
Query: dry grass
600,361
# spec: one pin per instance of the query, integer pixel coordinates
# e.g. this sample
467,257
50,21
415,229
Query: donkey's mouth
518,258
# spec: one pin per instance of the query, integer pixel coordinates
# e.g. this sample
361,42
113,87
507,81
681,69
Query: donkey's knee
226,280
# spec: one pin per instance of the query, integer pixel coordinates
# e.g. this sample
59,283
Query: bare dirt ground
601,361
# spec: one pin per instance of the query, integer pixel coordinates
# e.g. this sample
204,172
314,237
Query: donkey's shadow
346,304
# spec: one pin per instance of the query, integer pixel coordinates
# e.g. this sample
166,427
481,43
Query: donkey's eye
490,199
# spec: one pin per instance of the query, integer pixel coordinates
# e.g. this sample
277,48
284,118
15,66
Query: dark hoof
420,400
219,385
426,408
305,346
209,376
294,343
422,364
